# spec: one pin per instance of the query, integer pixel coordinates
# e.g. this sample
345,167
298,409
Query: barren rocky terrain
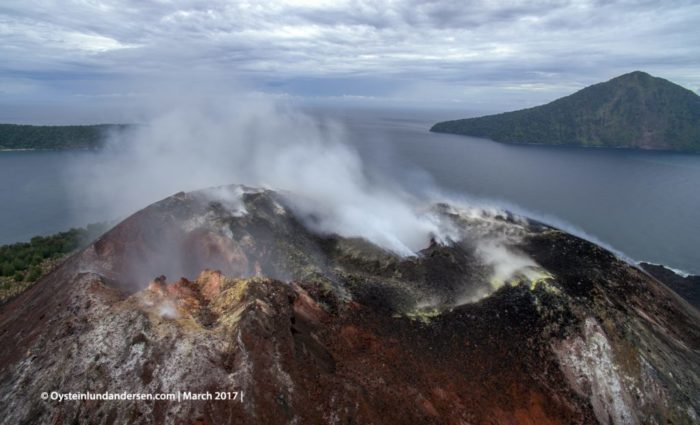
514,322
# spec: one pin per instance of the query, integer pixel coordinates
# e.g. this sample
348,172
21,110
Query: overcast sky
471,55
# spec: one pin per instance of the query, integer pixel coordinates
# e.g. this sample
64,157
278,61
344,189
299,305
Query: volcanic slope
319,329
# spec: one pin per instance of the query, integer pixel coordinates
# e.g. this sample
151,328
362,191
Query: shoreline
569,146
679,272
48,149
22,149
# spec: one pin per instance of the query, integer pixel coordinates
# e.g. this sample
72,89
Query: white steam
495,235
163,307
505,262
168,310
500,206
259,143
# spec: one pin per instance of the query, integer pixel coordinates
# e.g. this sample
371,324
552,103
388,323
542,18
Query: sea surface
645,205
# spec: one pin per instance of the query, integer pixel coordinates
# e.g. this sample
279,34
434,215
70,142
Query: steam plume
258,142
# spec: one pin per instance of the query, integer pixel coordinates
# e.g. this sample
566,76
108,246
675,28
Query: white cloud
543,47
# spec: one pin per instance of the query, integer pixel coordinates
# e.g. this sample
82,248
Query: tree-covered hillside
13,136
635,110
22,263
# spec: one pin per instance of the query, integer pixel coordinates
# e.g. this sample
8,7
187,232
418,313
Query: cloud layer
492,53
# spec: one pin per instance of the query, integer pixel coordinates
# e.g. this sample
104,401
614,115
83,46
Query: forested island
15,136
22,263
634,110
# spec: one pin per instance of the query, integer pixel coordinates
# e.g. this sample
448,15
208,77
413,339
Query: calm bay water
644,204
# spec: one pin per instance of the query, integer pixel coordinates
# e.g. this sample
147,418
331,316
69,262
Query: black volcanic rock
323,329
634,110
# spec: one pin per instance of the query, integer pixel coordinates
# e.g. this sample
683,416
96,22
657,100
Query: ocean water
643,204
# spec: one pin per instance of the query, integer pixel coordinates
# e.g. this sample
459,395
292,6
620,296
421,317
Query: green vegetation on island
15,136
23,263
634,110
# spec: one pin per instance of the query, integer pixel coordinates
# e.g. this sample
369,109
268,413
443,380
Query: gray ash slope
511,322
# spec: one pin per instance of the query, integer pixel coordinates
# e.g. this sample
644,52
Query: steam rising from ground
259,143
505,262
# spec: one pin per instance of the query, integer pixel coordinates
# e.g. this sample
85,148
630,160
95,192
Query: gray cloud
490,53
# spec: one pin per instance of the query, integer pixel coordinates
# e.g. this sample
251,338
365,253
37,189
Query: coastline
679,272
566,145
22,149
49,149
